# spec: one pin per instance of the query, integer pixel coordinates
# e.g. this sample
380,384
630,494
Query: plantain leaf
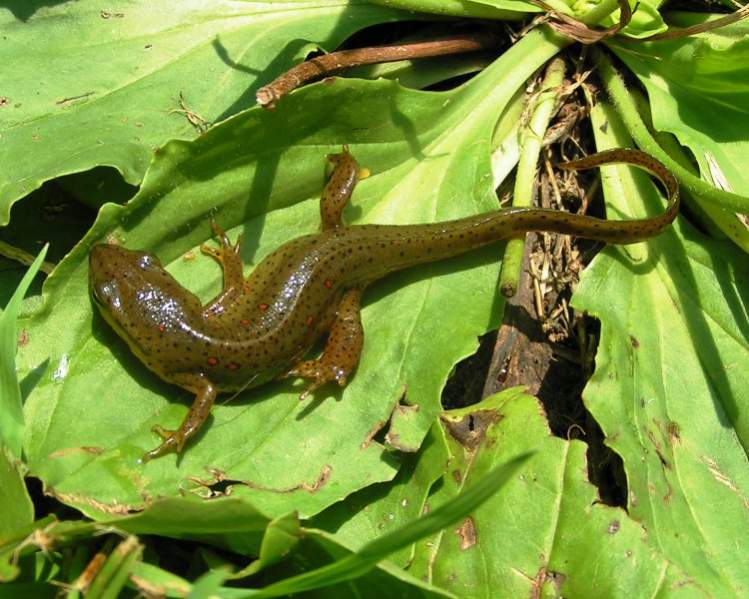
669,390
545,534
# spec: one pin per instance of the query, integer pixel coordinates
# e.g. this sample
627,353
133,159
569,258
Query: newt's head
136,296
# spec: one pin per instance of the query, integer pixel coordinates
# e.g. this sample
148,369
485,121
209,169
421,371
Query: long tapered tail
522,220
403,246
628,231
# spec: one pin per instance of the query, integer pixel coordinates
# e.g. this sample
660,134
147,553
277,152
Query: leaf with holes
544,534
669,388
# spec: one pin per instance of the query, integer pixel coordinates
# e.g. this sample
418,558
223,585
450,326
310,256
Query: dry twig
320,66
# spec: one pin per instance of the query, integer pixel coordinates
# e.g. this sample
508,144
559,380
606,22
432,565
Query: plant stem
532,139
19,255
600,12
113,574
627,109
717,222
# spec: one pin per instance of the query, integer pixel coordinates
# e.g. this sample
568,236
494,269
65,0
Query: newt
259,328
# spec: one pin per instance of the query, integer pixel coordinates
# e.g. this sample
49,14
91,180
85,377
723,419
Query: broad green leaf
699,90
17,510
430,158
11,410
114,76
646,19
177,516
379,509
543,534
669,388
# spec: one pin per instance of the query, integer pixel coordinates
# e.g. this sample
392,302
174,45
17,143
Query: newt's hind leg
339,188
227,255
342,349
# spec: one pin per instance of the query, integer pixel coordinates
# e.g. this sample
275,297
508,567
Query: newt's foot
205,395
342,349
318,373
227,251
172,439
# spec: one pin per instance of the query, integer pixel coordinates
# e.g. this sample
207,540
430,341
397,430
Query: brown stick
268,95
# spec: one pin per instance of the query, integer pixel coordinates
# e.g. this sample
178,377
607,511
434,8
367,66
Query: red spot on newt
162,326
244,322
310,320
264,307
232,366
212,361
328,283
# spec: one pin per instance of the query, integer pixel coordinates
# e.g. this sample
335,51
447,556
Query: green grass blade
11,409
357,564
113,575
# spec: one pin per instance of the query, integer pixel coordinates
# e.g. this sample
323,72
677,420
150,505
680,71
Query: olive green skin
288,301
260,328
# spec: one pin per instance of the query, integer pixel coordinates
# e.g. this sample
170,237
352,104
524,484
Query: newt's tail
402,246
515,221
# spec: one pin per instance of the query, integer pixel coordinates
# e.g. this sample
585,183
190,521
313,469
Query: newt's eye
106,295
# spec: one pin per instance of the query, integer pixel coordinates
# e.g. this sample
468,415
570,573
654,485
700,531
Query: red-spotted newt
259,328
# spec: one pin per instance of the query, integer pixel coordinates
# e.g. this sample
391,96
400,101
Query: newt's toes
311,388
171,440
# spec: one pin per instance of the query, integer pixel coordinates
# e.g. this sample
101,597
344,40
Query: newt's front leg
339,188
227,255
342,349
199,411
